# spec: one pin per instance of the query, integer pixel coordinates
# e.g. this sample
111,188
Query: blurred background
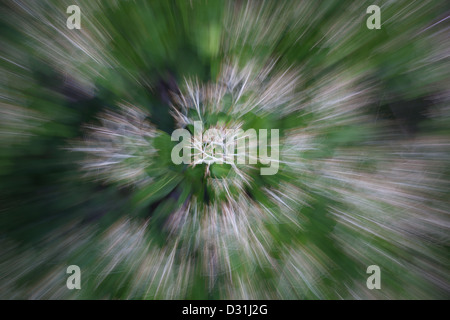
86,177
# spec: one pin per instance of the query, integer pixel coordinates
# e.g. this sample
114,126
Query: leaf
157,189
